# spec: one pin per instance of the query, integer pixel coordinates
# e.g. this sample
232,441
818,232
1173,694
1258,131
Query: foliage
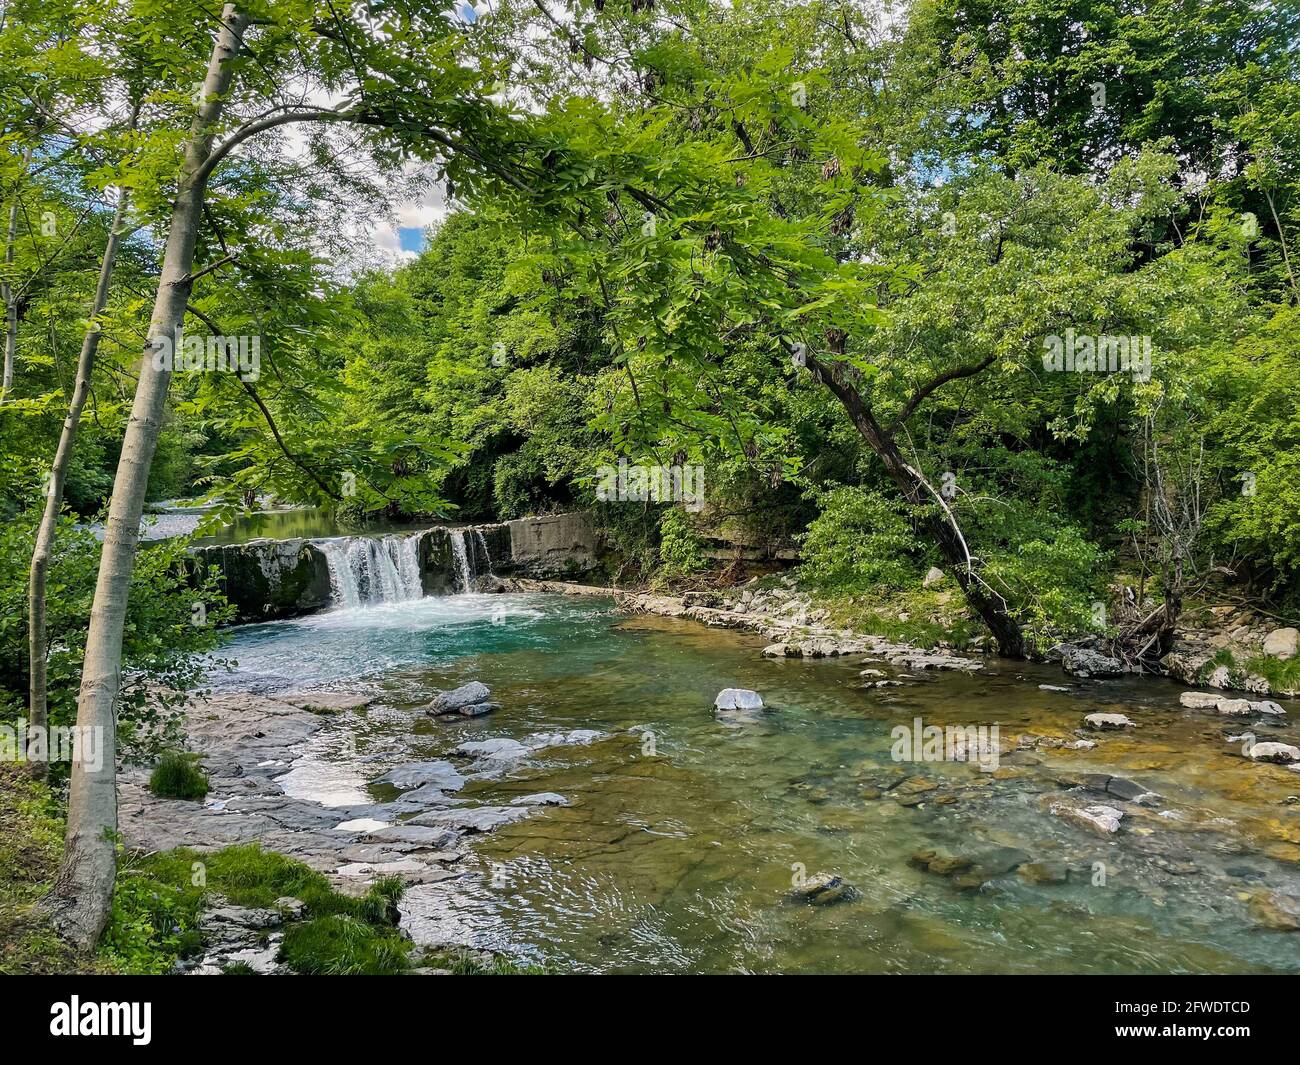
860,541
172,625
681,551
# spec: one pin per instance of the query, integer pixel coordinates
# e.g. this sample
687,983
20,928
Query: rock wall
270,579
556,545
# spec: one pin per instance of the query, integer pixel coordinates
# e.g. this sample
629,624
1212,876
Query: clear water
682,861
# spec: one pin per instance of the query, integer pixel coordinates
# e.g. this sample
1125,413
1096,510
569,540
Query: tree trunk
45,533
943,527
7,290
79,902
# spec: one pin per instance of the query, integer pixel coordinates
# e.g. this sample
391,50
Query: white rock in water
1230,707
1199,700
1104,820
1275,752
1108,721
738,699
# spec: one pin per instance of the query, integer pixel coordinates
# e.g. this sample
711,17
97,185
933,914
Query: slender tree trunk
45,533
942,527
79,902
7,289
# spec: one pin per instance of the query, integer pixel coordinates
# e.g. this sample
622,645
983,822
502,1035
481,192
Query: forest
976,323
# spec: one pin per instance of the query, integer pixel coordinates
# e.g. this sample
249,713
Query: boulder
933,576
1105,722
1282,643
738,699
1084,662
472,694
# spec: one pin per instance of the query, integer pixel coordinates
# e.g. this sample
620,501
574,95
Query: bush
860,541
178,776
681,553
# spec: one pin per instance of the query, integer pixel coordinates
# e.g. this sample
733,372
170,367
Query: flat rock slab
475,819
435,838
441,774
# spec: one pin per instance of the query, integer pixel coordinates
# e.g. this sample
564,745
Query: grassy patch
178,775
1281,676
340,945
467,963
159,899
31,844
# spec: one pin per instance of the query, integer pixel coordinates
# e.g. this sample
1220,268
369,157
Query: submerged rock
1281,913
824,889
542,798
738,699
441,774
1043,873
474,693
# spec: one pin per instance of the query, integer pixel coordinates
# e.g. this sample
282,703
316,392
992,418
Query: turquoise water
679,854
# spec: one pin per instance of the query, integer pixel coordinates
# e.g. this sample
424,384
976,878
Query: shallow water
683,859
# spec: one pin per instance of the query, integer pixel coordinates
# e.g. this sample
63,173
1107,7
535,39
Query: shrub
860,541
178,776
681,552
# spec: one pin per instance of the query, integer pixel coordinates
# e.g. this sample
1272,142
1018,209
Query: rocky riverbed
583,786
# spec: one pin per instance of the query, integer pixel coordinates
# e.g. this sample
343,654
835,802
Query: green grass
1281,676
159,899
31,844
466,963
178,775
340,945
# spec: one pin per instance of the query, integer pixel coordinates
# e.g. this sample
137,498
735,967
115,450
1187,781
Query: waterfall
460,556
487,555
366,569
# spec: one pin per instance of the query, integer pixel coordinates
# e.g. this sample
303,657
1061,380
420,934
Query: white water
365,570
487,555
459,554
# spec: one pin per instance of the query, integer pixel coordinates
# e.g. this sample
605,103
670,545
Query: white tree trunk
7,288
45,533
79,902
